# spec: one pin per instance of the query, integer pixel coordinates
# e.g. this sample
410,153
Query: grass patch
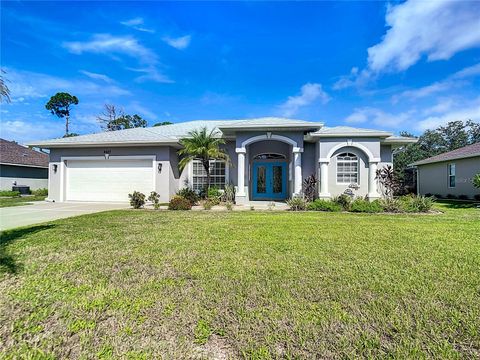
20,200
145,284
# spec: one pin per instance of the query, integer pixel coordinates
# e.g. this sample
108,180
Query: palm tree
4,90
204,146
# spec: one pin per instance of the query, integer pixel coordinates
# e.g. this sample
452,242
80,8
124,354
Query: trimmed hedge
324,205
365,206
179,203
9,193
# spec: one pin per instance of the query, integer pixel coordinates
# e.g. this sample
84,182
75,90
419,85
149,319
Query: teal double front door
269,180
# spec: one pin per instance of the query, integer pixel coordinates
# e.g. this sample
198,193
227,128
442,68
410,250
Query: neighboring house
270,158
449,173
20,165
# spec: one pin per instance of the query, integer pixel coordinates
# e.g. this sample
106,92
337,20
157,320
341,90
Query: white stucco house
270,158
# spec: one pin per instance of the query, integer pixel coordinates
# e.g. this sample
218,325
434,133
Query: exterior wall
163,180
34,177
337,189
433,178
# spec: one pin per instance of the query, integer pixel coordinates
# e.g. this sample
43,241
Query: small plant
389,183
476,180
137,199
297,204
9,193
344,201
438,196
229,193
365,206
271,205
463,197
207,204
179,203
229,205
40,192
412,203
391,205
324,205
154,197
214,195
252,207
189,194
310,187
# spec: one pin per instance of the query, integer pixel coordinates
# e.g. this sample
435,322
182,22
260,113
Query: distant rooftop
12,153
464,152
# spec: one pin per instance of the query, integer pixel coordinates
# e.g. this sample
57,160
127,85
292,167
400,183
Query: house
270,158
450,173
20,165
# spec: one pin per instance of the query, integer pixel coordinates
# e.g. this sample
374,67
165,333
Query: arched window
269,156
347,168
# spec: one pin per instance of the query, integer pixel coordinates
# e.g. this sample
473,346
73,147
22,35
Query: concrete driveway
41,211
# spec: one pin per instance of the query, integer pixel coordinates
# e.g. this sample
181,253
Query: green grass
20,200
260,285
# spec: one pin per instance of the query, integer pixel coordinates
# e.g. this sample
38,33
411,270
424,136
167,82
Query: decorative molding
367,152
297,150
241,150
281,138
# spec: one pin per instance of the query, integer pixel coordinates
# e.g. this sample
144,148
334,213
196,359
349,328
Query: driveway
41,211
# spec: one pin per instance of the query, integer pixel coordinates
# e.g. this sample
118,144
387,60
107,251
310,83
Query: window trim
336,168
190,172
449,176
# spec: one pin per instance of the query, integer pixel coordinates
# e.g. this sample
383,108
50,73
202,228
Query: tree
4,90
60,104
163,123
113,119
204,146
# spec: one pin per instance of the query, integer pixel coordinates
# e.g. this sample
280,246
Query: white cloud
346,81
436,29
107,44
377,117
23,132
442,106
27,84
135,24
136,108
179,43
309,93
453,81
96,76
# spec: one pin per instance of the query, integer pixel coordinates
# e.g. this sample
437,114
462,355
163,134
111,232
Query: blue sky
395,66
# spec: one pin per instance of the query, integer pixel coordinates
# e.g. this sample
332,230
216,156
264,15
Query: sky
394,66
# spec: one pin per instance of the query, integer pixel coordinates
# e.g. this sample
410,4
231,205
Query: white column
241,171
297,161
372,182
324,180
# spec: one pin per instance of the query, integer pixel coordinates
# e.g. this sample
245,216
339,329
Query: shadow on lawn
452,204
7,261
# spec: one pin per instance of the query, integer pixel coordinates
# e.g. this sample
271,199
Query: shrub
428,195
476,180
229,193
344,201
297,204
418,203
9,193
208,204
365,206
463,197
476,197
154,197
451,196
137,199
323,205
179,203
252,207
214,195
40,192
189,194
229,205
310,187
391,205
437,196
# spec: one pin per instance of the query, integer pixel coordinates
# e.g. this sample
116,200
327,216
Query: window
451,175
217,174
347,168
270,157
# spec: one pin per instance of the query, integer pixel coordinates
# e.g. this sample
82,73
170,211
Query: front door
269,180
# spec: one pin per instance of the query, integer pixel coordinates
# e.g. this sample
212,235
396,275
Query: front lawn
20,200
159,284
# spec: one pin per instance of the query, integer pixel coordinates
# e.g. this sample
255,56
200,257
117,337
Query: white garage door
107,180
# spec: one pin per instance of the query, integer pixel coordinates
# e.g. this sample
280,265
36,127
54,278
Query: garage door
107,180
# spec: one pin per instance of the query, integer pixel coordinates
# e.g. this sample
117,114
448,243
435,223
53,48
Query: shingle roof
464,152
13,153
348,131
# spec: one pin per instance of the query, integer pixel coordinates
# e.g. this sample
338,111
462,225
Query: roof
348,131
171,134
15,154
462,153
